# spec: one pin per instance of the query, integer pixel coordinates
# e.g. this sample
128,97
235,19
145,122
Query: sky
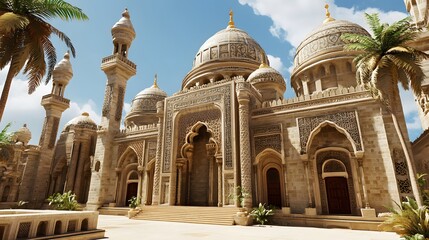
169,34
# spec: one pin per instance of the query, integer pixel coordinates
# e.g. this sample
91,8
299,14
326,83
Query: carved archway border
325,123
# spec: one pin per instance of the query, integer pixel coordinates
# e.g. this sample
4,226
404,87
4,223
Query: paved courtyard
119,227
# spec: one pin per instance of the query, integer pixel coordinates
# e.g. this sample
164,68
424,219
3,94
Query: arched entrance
199,174
132,186
274,188
337,194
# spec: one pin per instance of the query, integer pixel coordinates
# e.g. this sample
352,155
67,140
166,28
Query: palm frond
9,22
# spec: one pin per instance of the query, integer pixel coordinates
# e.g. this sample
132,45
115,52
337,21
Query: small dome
324,40
266,74
22,135
123,29
82,121
143,107
146,100
64,65
63,71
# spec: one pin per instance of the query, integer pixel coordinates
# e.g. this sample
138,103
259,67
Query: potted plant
134,204
65,201
261,213
242,217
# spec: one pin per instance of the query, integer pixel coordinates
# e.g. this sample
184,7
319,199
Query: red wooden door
273,188
338,195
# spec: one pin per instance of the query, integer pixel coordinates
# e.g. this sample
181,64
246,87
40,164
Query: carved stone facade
225,130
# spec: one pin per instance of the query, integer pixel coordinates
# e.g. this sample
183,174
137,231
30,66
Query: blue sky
169,33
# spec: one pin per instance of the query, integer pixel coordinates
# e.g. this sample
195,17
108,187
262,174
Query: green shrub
134,202
65,201
409,221
239,195
261,213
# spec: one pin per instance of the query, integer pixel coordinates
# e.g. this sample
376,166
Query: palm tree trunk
409,159
396,107
6,89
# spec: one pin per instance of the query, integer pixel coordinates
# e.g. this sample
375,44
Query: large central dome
230,44
228,53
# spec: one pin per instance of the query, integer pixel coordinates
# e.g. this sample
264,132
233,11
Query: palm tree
384,61
24,39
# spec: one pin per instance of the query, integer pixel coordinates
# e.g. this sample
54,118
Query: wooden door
273,188
337,192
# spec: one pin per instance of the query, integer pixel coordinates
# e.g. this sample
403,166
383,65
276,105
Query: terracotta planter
243,218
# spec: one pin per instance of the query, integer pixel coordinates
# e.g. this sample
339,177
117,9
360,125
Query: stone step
203,215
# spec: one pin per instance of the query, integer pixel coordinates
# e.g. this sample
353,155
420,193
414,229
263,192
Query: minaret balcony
55,100
117,59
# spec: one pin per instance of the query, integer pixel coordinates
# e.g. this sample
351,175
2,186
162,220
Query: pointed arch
268,152
130,150
325,123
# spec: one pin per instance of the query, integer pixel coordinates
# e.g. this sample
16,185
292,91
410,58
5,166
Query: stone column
118,176
310,210
180,162
286,208
147,186
157,171
140,170
245,161
30,172
189,153
211,150
367,211
219,180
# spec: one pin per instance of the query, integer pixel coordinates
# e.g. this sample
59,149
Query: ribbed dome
82,121
22,135
230,44
325,39
266,74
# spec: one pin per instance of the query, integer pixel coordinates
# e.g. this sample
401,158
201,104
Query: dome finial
155,81
231,19
328,15
263,61
126,14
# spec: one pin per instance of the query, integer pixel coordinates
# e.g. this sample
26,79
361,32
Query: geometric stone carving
219,95
346,120
120,103
401,172
108,94
270,141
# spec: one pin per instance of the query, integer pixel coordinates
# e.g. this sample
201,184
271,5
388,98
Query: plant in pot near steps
242,217
261,213
134,207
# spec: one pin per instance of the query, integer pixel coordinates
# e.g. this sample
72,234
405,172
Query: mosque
331,150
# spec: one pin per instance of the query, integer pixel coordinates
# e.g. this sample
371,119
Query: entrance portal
131,191
338,195
273,188
199,187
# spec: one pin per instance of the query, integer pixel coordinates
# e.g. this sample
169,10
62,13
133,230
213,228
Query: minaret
118,70
55,104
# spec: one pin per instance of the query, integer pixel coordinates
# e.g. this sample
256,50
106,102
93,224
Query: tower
118,70
55,104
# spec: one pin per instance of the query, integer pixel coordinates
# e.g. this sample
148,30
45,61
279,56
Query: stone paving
119,227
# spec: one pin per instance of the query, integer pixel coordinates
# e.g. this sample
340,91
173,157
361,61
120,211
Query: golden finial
328,15
263,61
231,19
155,79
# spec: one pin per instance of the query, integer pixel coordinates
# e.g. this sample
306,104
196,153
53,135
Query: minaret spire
155,81
328,15
231,19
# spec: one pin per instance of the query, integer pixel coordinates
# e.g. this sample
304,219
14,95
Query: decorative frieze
120,103
270,141
108,94
53,137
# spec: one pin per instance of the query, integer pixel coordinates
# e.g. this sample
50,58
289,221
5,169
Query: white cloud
276,63
291,19
127,108
22,108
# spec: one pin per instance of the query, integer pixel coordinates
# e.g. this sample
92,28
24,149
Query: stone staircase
119,211
187,214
